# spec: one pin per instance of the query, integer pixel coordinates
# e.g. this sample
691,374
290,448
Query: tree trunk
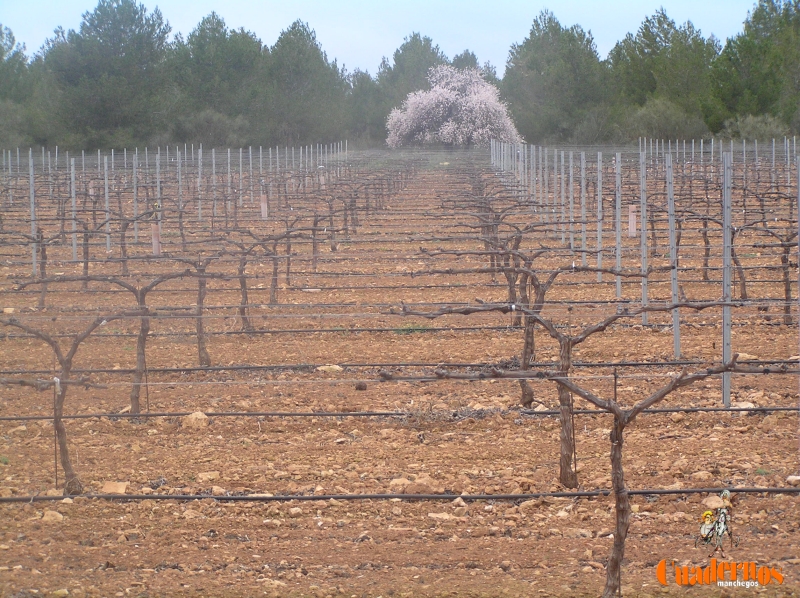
288,262
740,273
787,286
181,229
85,283
123,246
138,374
314,244
42,268
568,476
247,326
528,351
72,483
273,287
332,235
653,237
706,249
202,353
623,513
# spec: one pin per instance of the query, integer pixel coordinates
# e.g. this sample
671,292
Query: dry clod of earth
52,517
114,487
207,476
195,420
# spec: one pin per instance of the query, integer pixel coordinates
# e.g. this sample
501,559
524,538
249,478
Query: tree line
122,79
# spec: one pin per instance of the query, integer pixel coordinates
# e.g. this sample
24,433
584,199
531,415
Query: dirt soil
452,437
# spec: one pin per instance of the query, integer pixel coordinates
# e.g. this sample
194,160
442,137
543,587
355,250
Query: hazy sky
358,32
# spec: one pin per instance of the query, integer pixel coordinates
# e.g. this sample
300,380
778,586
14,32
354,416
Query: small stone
793,480
361,386
195,420
680,465
440,516
52,517
577,533
207,476
295,512
702,476
330,368
677,417
634,508
713,502
8,310
460,512
191,514
769,423
61,592
217,491
459,502
114,488
505,565
528,505
67,501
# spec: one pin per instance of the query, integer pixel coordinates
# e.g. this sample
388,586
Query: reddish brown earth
455,437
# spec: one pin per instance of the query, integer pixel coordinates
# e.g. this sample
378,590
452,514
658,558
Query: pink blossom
461,108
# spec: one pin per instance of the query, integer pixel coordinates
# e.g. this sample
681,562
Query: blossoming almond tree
460,109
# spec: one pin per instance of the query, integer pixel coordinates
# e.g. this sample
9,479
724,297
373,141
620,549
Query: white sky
359,32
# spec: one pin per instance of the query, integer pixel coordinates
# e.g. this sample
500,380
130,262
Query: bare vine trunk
123,245
42,268
740,273
706,249
202,352
85,283
288,262
528,349
653,237
623,512
314,244
138,374
568,475
247,326
72,483
787,286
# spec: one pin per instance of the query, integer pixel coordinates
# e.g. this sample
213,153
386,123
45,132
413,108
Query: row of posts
305,159
518,158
